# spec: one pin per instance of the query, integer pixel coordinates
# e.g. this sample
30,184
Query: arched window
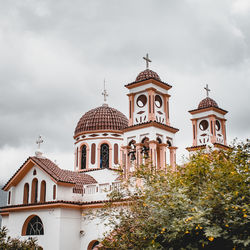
83,157
26,193
54,192
104,156
43,192
33,226
116,153
34,190
93,149
93,244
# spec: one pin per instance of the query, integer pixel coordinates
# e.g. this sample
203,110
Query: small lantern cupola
209,124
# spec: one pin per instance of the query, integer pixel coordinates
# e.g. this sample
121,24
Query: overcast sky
54,56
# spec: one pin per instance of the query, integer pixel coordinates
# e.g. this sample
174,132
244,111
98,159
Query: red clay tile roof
97,169
79,203
60,175
207,102
102,118
147,74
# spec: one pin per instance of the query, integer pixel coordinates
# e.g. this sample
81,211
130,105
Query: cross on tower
207,89
146,58
105,93
39,141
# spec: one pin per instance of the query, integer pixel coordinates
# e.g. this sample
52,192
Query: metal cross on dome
39,141
105,93
207,89
146,58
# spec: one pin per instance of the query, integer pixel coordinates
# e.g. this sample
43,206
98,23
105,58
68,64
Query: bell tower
148,98
149,133
209,125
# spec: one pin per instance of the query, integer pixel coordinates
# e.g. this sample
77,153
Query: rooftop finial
105,93
39,141
146,58
207,90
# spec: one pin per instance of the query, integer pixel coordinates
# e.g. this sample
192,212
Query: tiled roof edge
151,78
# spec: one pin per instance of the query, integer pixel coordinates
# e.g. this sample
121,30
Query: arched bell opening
132,150
145,149
159,154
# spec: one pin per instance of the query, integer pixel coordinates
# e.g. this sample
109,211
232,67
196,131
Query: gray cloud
55,55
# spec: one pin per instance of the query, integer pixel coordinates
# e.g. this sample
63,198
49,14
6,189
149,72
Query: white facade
57,201
66,226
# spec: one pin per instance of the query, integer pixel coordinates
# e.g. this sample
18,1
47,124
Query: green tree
8,243
202,205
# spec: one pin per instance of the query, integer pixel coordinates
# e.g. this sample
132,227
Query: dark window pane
35,226
104,161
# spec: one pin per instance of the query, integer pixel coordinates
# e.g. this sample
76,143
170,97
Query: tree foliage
202,205
8,243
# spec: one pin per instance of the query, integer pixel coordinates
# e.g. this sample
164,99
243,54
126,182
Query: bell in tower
149,124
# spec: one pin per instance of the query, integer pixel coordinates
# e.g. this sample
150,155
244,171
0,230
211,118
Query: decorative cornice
164,85
150,124
59,204
197,111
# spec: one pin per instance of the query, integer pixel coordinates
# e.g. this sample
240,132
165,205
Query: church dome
101,118
207,103
147,74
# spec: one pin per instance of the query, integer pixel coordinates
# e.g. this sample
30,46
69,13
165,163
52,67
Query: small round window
203,125
141,101
217,125
158,101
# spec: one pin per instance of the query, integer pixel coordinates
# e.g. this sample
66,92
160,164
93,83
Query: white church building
50,203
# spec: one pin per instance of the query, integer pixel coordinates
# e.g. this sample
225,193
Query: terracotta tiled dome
102,118
207,102
147,74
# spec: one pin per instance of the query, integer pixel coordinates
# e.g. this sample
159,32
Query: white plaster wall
207,113
51,222
105,179
17,192
93,229
62,228
151,132
146,86
104,175
70,223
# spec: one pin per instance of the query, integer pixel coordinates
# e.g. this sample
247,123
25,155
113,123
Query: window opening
84,154
26,194
34,191
35,226
104,161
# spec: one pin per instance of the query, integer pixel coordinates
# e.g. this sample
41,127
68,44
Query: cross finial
39,141
207,89
146,58
105,93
